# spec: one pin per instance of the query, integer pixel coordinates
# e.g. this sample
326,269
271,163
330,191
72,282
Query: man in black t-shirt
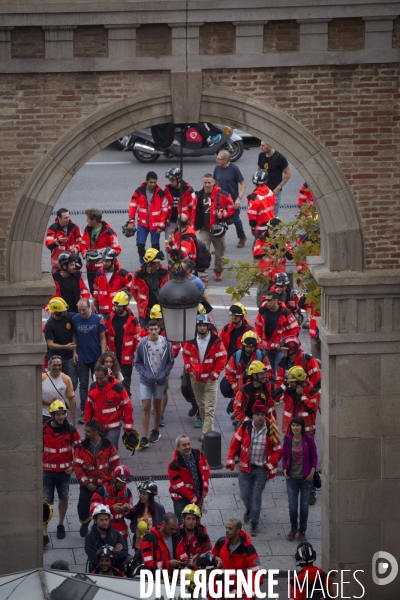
278,170
58,335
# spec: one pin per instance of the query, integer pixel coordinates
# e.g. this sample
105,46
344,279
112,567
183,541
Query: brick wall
154,40
90,41
217,38
354,111
396,33
282,36
27,42
346,34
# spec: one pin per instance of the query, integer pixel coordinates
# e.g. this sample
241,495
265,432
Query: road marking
119,162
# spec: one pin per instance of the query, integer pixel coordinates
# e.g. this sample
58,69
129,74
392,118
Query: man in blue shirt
228,177
189,267
90,339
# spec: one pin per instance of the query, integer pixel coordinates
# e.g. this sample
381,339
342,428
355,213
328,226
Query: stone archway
341,228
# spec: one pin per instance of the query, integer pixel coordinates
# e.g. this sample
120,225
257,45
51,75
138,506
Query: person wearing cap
256,388
273,321
147,281
59,442
106,556
189,475
59,337
181,243
154,360
123,335
102,534
95,458
204,359
258,445
261,203
56,385
236,367
184,203
146,511
194,537
159,546
68,280
231,334
278,170
115,494
235,551
151,204
299,462
110,279
294,356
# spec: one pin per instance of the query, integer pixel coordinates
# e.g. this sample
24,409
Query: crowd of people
95,340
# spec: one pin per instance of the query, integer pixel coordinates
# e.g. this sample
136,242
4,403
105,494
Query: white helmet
101,509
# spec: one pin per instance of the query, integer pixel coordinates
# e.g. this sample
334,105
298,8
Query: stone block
19,465
20,511
358,541
390,373
358,458
390,423
358,375
376,501
20,551
74,152
390,463
368,421
391,537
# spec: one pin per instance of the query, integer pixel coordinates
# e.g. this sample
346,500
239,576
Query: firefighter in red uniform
181,244
63,236
258,388
109,280
109,404
309,576
95,459
123,335
236,367
194,537
146,283
187,485
273,321
231,334
155,545
300,399
244,557
294,356
305,196
118,497
59,442
261,204
98,236
287,296
68,281
152,206
188,201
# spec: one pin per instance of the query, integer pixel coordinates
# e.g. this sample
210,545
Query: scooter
145,150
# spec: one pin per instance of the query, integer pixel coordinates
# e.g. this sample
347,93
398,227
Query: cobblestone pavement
224,501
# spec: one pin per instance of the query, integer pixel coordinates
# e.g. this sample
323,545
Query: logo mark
384,568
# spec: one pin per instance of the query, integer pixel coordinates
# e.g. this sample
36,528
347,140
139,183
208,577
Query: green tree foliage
302,237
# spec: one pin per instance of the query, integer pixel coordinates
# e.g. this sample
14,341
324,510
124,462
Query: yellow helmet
201,310
237,309
57,305
296,374
249,335
57,405
256,367
155,312
151,255
192,509
47,512
121,299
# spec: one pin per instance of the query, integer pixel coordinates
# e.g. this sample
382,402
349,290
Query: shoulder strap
237,357
58,392
259,355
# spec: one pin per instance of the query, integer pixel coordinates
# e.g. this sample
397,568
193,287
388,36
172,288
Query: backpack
306,357
193,139
259,355
203,256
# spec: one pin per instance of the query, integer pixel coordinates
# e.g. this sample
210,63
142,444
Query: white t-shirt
156,350
108,275
202,344
62,383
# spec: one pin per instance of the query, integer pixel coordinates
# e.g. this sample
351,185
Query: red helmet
291,342
122,473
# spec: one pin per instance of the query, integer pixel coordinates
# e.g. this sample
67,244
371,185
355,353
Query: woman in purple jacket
299,461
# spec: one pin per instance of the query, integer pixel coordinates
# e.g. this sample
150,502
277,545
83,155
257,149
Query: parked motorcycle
145,150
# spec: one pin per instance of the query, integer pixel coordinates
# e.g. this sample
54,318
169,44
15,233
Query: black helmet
274,222
148,486
219,230
173,173
206,561
260,176
106,551
305,554
109,254
131,440
281,279
128,231
67,257
94,256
